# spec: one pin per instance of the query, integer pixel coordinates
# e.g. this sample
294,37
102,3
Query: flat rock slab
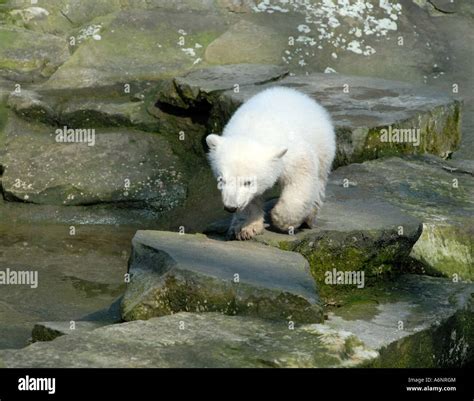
190,340
171,272
138,45
361,108
414,321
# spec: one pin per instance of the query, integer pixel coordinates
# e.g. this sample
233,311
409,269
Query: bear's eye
247,183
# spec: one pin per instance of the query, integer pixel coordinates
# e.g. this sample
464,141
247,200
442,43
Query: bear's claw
244,233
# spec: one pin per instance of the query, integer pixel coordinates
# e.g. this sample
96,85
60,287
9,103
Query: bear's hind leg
248,223
310,219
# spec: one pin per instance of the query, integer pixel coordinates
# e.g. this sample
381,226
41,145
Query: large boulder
115,165
436,192
364,38
173,272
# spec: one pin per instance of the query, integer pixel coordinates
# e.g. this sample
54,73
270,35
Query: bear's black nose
230,209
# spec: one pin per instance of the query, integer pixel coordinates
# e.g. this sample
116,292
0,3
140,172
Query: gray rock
361,114
415,321
195,340
381,215
449,7
355,231
206,84
138,45
123,165
30,56
430,190
248,42
173,272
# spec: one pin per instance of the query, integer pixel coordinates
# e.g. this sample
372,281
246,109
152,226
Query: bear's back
280,115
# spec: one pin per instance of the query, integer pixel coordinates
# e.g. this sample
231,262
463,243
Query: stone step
171,272
416,321
367,112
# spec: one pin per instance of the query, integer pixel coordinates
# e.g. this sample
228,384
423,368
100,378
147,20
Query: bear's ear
280,154
213,141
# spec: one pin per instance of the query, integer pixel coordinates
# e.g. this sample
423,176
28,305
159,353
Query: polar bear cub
282,135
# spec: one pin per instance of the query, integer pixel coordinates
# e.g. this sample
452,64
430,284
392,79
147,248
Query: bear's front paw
245,232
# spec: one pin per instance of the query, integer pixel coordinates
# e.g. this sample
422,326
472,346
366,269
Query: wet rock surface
78,276
414,321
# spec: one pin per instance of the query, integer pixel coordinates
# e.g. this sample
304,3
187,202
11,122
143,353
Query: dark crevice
439,9
198,113
65,16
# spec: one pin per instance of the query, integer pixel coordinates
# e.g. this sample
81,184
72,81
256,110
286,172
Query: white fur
282,135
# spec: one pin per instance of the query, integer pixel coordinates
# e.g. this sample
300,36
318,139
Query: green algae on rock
30,56
416,321
139,45
438,193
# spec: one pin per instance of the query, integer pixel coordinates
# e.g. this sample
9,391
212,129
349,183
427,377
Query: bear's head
244,168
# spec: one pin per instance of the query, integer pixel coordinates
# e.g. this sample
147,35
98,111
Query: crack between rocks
65,16
456,170
439,9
